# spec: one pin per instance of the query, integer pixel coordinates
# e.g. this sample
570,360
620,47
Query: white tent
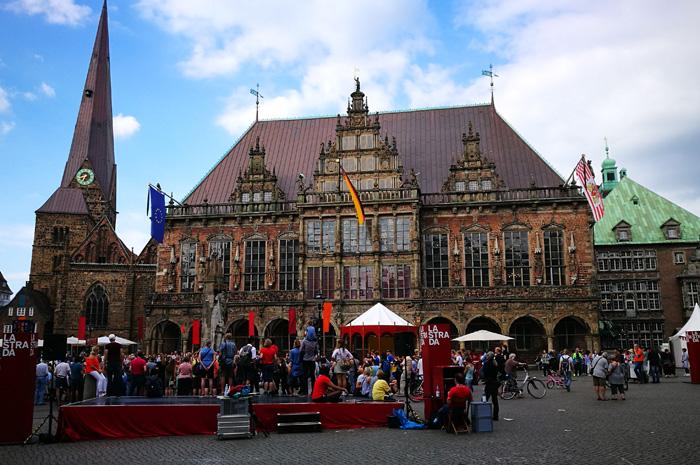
379,315
678,339
101,341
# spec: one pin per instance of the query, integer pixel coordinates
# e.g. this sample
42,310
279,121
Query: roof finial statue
357,83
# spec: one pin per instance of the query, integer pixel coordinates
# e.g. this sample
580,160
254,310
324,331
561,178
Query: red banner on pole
292,321
195,332
327,308
81,327
140,333
182,327
251,323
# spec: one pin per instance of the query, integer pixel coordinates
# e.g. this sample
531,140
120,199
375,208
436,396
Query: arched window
97,307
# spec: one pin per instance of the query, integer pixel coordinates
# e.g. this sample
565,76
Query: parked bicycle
555,379
509,387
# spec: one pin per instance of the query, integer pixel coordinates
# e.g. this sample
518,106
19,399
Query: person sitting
382,389
324,389
364,382
457,399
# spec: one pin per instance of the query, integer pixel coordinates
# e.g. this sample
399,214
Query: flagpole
157,187
583,156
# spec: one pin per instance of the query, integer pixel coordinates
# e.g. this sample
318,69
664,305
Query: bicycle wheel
536,388
550,384
414,392
506,390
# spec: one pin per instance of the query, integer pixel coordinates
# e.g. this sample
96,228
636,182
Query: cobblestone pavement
658,423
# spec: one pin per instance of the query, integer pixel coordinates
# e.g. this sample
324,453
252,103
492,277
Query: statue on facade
217,323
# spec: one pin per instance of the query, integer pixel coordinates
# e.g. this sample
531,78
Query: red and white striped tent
377,322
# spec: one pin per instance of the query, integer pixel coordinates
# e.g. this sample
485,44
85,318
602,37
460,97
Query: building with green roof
644,244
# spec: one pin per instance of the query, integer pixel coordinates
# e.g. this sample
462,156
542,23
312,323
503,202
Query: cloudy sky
569,74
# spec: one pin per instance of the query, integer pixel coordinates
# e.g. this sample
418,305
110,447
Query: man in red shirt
457,398
324,389
138,374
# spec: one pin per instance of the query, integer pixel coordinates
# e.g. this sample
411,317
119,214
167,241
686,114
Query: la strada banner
17,380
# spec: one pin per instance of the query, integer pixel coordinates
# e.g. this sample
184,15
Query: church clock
85,177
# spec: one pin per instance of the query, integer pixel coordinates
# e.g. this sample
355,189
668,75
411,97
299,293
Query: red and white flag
590,189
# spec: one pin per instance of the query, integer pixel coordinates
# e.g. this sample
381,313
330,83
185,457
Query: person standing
654,365
246,358
639,364
685,361
617,377
114,359
342,358
138,374
76,379
566,366
296,369
491,373
228,353
309,351
184,377
600,373
42,378
206,358
62,374
268,357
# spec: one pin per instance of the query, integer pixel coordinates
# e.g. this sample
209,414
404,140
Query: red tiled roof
93,138
428,141
65,200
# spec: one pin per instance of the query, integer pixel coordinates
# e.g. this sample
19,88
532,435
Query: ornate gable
473,172
257,184
102,245
370,161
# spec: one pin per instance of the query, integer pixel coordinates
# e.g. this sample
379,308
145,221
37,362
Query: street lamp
317,320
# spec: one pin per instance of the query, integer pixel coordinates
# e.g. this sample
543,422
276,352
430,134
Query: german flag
355,199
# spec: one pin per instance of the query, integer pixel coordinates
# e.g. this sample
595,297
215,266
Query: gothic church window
517,258
187,266
436,260
288,265
476,259
97,307
254,268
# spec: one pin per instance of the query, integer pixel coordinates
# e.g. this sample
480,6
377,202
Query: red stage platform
138,417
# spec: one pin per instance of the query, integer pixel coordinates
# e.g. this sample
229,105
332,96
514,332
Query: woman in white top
341,356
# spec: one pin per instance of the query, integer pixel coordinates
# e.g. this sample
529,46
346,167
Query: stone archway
485,323
239,332
278,331
529,338
570,333
167,337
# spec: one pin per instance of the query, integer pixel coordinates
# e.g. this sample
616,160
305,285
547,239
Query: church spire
93,138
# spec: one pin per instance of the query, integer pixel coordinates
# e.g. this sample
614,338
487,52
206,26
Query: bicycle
415,389
555,380
535,387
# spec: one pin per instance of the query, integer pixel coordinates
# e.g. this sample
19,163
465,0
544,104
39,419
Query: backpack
153,387
245,359
565,363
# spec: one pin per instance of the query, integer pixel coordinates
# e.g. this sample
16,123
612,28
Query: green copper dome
608,163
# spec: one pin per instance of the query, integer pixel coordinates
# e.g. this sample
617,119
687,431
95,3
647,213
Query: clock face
85,176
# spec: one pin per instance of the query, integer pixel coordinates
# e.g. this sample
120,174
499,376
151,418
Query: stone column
550,343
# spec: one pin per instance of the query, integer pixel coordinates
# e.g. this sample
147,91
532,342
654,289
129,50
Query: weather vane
258,96
490,74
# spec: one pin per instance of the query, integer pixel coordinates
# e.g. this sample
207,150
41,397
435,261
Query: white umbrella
482,335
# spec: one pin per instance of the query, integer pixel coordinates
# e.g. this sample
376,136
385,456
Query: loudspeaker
403,344
55,346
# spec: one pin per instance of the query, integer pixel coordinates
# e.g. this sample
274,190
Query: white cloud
6,127
4,101
38,57
54,11
17,236
125,126
29,95
47,90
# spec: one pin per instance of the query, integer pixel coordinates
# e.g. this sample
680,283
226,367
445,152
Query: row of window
473,185
644,334
630,260
394,236
358,282
360,185
630,296
257,197
20,311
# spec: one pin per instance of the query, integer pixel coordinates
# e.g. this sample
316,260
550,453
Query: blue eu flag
157,214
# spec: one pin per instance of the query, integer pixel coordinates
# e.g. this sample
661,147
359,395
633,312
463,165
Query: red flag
251,323
292,321
590,189
183,329
355,199
81,327
195,332
327,307
140,333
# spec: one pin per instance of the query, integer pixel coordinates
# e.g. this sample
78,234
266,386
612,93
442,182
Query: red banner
182,327
81,327
92,341
17,383
327,308
195,332
292,321
140,334
251,323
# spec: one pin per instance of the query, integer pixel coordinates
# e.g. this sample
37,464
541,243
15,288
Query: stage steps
303,422
233,426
